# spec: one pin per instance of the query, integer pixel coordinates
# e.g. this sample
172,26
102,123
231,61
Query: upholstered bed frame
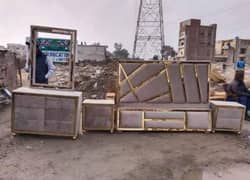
163,96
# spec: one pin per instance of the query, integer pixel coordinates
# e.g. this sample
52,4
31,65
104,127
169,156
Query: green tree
120,52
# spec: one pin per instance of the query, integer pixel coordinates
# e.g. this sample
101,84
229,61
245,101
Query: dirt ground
124,156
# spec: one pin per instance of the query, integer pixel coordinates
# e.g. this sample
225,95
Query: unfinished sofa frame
157,94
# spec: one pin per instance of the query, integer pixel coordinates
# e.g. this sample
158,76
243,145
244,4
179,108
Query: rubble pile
61,76
220,76
95,79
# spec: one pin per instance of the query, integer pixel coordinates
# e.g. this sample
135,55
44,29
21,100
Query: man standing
44,66
240,65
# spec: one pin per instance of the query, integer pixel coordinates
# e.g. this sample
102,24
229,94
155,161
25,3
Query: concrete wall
19,49
91,53
231,50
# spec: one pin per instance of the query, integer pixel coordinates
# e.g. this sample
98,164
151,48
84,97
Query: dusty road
124,156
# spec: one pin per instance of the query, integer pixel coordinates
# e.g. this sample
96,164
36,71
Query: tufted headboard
163,82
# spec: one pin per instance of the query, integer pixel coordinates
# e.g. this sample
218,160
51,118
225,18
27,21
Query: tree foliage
120,52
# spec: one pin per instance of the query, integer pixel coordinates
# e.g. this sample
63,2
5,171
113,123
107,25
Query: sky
110,21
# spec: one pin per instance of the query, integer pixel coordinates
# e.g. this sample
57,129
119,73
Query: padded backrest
163,82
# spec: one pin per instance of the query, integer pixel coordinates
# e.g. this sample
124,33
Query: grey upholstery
148,71
161,95
130,119
124,88
148,91
202,72
164,115
29,118
44,114
177,83
198,120
162,99
227,115
229,118
99,117
162,106
191,84
27,101
129,68
177,90
165,124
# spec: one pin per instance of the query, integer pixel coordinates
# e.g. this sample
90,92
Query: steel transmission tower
149,36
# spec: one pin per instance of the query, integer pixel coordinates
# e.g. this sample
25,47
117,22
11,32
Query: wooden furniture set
151,96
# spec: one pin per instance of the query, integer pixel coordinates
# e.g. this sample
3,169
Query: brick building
19,49
196,41
8,69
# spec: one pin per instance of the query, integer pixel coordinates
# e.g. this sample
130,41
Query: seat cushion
170,106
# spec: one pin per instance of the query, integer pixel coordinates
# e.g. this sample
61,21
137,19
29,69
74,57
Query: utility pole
149,37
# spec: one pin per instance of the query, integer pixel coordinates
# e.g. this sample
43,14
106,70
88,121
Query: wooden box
227,116
98,114
46,112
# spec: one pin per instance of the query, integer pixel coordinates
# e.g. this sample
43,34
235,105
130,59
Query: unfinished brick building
196,42
10,66
228,51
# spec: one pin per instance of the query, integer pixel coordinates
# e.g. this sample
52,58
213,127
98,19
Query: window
243,50
208,52
181,43
202,33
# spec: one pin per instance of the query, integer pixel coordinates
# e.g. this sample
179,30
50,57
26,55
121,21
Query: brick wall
8,69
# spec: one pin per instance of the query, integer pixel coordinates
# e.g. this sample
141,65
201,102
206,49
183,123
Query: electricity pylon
149,36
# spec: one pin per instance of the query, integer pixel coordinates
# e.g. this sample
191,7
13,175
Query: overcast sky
109,21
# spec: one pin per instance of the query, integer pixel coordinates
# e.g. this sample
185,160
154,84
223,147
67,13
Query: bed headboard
163,82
